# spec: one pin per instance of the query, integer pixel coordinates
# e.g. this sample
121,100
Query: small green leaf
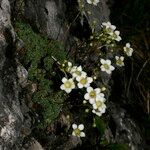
104,142
100,125
117,147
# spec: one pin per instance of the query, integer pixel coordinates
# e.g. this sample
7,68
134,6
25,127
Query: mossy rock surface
39,51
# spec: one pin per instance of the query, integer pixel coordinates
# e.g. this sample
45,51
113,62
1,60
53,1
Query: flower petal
82,134
73,133
112,68
101,95
91,101
122,58
90,80
108,61
102,61
74,126
69,64
86,96
89,89
98,90
68,90
128,45
79,68
108,71
116,57
103,68
64,79
78,78
80,85
62,87
94,106
81,127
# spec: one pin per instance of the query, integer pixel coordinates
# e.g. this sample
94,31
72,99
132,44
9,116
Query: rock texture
11,117
123,128
9,104
96,16
49,17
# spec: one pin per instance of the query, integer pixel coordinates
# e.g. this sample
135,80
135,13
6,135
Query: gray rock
50,18
71,143
22,75
99,13
47,15
124,128
35,145
11,117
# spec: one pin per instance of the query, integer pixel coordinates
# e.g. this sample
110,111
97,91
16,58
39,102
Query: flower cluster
110,32
94,96
93,2
76,77
96,99
80,80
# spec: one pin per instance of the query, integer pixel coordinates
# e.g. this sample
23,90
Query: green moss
38,48
117,147
38,58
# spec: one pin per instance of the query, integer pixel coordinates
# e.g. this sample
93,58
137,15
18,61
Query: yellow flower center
83,81
115,35
78,72
92,94
106,66
77,131
98,104
127,49
119,61
67,84
109,30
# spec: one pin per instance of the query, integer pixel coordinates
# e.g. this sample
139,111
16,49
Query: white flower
108,26
99,105
77,71
106,66
92,94
116,36
77,130
94,2
67,85
111,30
119,61
128,50
84,81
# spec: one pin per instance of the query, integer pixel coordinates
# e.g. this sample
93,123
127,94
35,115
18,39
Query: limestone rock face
123,128
50,16
100,13
11,117
47,16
